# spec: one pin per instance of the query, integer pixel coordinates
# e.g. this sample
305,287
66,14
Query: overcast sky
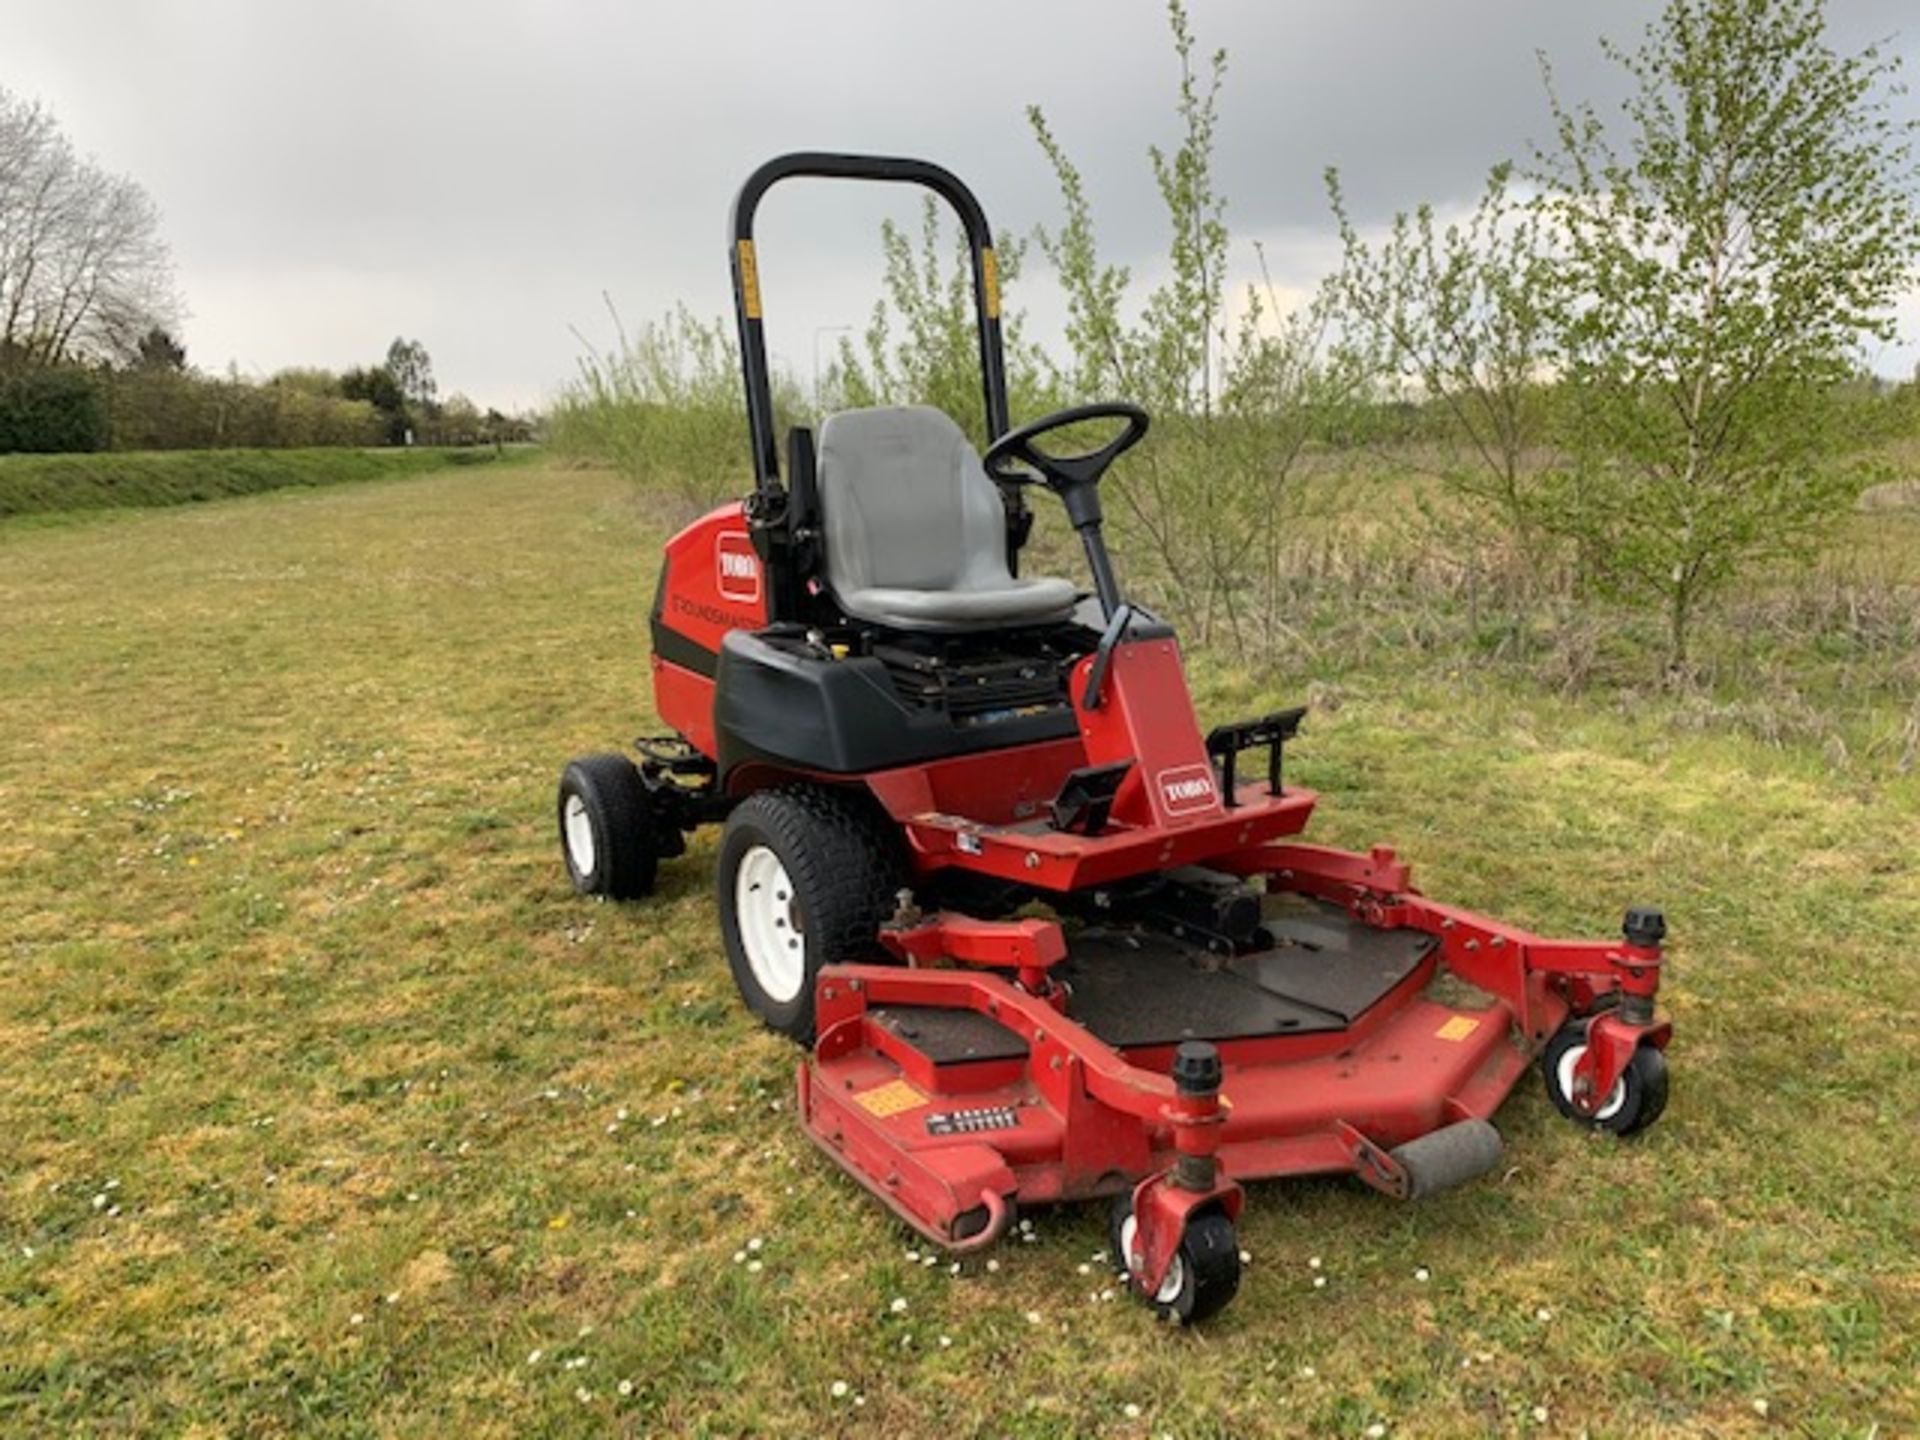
476,174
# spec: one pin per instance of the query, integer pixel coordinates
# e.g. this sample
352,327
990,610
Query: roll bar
746,284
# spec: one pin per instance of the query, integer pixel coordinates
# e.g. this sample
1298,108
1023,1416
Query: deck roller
1449,1156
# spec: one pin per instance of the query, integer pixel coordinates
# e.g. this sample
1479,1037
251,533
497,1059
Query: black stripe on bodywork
676,649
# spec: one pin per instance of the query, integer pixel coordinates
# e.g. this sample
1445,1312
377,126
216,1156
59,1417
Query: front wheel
1637,1099
1203,1275
607,833
807,876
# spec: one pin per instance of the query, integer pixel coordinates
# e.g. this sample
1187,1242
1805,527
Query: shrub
51,411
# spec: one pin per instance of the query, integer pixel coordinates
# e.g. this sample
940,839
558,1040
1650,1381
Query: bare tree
84,273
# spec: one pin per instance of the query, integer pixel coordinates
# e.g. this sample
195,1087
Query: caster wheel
1205,1271
1637,1097
608,834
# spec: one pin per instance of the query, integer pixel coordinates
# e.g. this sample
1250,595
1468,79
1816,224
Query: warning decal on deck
1458,1028
890,1099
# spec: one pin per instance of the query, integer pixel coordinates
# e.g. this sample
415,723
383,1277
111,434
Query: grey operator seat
915,532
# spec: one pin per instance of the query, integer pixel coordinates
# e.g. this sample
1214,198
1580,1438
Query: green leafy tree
1238,396
412,370
1461,318
1729,243
664,405
922,344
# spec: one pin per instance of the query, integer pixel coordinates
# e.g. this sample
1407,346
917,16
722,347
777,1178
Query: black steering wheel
1064,474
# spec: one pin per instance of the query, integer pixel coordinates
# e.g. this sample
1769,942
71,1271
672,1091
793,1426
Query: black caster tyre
1638,1096
807,875
608,832
1204,1274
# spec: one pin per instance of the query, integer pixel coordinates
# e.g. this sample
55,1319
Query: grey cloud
477,173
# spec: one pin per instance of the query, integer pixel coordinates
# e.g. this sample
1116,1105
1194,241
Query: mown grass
330,1110
47,484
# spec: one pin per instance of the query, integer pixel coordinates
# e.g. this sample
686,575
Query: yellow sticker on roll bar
749,280
990,281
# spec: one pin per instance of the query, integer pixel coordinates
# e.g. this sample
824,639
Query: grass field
328,1109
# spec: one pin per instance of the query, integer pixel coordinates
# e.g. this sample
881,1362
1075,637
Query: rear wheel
1636,1100
607,828
1203,1275
806,878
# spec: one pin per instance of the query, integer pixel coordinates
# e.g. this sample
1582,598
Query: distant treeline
157,402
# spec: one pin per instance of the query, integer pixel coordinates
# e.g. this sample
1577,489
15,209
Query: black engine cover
779,699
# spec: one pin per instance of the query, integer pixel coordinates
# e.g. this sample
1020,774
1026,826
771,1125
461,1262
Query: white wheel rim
1176,1276
771,931
1616,1097
578,828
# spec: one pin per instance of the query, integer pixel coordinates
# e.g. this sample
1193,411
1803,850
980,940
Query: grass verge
45,484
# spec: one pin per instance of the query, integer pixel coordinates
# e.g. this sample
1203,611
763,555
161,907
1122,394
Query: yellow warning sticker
990,281
1458,1028
749,280
890,1099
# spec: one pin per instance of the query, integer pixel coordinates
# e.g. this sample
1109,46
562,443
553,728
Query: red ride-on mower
1045,937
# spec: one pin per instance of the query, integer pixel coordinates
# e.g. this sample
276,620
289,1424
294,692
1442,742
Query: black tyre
807,876
1637,1099
1203,1276
607,828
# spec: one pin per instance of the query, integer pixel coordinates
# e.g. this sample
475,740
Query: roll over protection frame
746,287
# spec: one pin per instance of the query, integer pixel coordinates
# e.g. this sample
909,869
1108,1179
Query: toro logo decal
736,566
1186,788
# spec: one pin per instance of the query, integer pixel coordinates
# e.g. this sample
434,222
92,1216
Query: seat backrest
906,504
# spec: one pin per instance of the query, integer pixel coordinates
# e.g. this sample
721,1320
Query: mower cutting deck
1044,938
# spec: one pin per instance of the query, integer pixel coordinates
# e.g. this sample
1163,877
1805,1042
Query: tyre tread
846,863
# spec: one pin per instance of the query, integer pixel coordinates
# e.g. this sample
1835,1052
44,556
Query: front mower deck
954,1093
1374,1036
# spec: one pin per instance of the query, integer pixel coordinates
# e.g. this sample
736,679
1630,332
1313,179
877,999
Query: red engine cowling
711,581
